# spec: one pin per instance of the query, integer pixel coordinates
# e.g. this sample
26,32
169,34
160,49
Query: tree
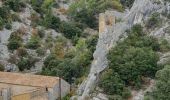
68,70
134,57
110,87
162,87
69,30
115,87
129,61
72,66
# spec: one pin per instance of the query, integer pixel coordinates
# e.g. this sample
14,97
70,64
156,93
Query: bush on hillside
15,41
21,52
14,44
33,43
50,21
26,63
92,42
160,91
85,11
74,65
127,3
1,67
23,64
130,60
1,23
15,5
154,21
69,30
40,51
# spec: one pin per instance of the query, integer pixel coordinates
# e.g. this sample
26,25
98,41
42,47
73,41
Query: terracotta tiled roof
28,80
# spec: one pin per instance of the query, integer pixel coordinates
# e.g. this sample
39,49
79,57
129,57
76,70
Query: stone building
16,86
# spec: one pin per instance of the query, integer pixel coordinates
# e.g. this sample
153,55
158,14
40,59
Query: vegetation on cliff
130,62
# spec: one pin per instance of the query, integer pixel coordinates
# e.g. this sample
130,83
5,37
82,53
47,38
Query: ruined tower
105,20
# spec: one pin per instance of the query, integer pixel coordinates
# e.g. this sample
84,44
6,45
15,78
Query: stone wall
63,86
19,91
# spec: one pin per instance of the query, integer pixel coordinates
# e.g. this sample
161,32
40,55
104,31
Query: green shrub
26,63
69,30
112,83
15,41
127,3
15,17
1,23
8,26
73,66
154,21
50,63
67,97
4,12
15,5
36,4
40,51
129,54
116,86
85,11
47,4
67,68
50,21
92,42
55,22
56,5
14,44
164,46
33,43
2,67
129,61
161,89
4,17
88,19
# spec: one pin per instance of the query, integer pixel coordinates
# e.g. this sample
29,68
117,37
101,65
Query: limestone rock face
100,96
4,35
164,58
